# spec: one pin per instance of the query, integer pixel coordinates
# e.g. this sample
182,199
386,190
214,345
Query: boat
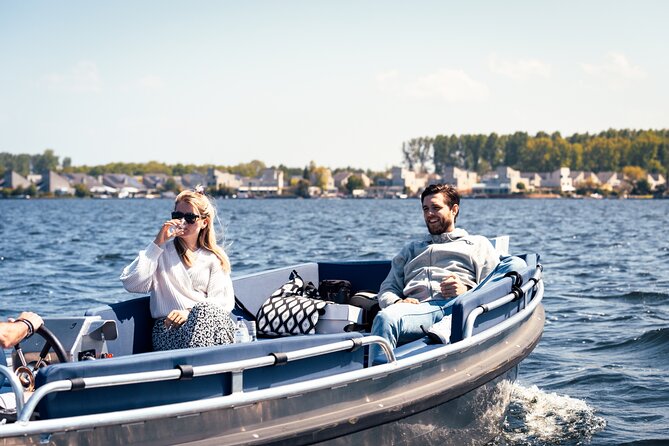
103,385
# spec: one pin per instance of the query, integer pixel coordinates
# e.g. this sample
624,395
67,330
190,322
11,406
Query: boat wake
539,418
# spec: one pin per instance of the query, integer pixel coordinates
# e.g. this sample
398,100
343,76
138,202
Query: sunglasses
189,217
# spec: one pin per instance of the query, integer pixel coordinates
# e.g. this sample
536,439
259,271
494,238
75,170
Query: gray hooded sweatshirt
417,271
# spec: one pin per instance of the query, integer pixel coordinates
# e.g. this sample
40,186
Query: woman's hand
171,228
452,286
176,318
409,300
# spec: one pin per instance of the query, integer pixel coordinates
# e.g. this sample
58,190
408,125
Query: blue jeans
401,322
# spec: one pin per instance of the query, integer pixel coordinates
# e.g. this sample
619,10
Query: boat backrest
364,275
133,317
254,289
492,290
501,244
130,396
133,322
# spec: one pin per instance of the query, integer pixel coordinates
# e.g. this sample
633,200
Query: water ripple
604,350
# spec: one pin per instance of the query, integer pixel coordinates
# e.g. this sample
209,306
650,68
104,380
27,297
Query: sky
341,83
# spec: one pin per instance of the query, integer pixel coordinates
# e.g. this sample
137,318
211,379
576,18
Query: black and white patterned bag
291,310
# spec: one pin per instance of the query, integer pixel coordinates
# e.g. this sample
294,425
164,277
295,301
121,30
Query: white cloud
388,81
151,82
451,85
520,69
447,84
615,70
84,77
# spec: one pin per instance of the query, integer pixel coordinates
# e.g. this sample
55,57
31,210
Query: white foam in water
549,417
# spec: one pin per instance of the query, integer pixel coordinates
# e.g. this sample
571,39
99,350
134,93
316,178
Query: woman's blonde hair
207,237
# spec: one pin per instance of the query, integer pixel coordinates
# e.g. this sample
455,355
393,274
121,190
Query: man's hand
33,318
409,300
452,286
176,318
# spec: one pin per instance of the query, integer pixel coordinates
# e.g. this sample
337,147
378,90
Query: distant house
583,178
191,180
505,180
609,180
126,185
81,178
463,180
154,181
559,180
56,184
502,181
341,179
655,180
408,180
324,176
92,184
218,179
531,180
13,180
270,182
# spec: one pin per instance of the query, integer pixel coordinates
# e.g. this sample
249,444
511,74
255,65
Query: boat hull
459,397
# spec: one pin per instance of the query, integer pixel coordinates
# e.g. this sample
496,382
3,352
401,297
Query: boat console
83,338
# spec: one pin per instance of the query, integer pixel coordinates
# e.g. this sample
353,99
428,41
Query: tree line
611,150
25,164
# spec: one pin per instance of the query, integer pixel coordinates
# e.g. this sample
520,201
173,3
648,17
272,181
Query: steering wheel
26,373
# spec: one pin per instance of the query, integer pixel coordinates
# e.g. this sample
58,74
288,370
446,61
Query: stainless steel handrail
476,312
17,388
235,367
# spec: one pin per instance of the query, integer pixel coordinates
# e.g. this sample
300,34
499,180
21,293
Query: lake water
599,376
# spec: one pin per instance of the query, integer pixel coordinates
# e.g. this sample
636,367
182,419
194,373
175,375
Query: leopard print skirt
206,325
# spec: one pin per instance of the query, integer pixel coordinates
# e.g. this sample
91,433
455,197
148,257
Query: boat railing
535,280
236,368
15,384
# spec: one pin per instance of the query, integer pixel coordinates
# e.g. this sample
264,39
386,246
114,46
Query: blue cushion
416,347
496,286
132,396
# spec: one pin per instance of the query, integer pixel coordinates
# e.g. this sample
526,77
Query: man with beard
428,274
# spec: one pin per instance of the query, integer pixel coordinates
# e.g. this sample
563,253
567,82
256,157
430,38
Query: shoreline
280,197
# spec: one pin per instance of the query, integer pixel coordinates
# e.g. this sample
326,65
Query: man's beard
438,227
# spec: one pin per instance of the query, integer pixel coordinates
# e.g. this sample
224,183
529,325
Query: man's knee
511,263
506,264
383,320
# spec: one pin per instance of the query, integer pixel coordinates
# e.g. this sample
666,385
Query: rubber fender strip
78,383
280,358
186,371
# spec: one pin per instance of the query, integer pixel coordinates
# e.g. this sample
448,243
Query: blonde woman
188,277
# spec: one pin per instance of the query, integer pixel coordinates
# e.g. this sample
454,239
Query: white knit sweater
158,270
